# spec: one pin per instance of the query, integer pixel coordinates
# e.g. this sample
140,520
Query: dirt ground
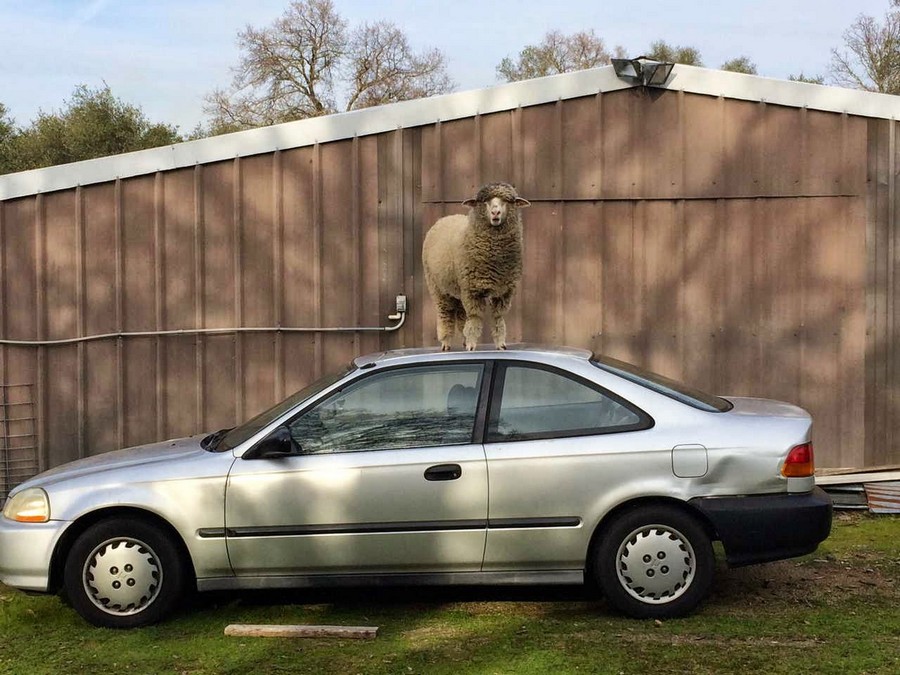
860,572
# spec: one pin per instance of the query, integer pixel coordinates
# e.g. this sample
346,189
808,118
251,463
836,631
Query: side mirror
278,444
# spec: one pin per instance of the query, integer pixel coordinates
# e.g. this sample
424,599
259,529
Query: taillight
799,462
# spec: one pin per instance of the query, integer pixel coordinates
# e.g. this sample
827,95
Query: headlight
28,506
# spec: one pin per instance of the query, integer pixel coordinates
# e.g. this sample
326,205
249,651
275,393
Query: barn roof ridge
441,108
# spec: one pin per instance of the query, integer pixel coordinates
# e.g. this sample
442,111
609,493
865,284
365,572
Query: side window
538,403
403,408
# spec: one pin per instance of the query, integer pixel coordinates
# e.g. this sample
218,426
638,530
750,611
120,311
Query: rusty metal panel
256,230
744,148
703,119
582,120
620,164
178,303
458,155
581,278
883,497
496,151
300,302
786,143
658,146
542,149
691,234
879,216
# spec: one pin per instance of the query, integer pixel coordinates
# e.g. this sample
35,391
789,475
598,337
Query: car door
387,479
555,442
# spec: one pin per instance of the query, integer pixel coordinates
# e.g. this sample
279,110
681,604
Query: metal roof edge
783,92
311,131
447,107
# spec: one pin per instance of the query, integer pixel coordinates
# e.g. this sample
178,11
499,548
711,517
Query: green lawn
836,611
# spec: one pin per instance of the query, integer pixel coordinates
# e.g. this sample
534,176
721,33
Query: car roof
431,354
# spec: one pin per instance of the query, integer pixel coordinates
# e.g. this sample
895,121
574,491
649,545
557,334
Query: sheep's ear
522,203
470,202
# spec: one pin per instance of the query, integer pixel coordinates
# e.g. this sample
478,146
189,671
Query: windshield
241,433
663,385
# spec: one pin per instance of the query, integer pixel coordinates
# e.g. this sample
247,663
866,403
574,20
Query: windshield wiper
210,442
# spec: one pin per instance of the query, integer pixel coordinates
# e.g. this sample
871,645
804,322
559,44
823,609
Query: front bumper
763,528
25,553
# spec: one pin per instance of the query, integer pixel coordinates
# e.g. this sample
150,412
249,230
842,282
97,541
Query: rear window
663,385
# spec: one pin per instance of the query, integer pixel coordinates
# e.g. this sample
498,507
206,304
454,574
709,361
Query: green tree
8,134
740,64
870,58
94,123
295,67
663,51
557,53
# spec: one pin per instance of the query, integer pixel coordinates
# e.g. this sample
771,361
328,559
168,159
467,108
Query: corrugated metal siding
719,241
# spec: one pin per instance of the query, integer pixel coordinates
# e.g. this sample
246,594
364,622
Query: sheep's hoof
445,348
503,347
470,348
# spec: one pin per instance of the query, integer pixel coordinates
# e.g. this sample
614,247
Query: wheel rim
122,576
656,564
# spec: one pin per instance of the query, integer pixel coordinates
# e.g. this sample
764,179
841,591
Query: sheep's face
496,211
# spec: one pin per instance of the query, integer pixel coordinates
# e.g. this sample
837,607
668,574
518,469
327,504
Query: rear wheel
654,562
123,573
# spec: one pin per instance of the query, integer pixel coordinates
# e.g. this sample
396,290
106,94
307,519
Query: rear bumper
763,528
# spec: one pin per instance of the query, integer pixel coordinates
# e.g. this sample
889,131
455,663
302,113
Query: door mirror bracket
277,444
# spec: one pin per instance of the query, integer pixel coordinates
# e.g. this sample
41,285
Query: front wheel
123,573
654,562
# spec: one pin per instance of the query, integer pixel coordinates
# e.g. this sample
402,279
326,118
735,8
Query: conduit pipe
399,317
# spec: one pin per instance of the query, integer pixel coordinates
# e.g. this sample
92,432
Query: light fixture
642,70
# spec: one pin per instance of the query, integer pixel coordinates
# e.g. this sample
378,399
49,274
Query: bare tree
870,59
383,68
557,53
295,67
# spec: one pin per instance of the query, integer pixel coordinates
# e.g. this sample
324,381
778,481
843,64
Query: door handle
443,472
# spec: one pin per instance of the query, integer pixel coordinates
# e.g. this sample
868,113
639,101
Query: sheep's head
496,199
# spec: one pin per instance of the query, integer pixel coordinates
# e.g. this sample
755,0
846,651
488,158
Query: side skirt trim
535,578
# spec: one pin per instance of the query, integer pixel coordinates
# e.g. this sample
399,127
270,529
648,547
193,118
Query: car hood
139,457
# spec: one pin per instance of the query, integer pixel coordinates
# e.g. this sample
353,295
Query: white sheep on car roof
473,264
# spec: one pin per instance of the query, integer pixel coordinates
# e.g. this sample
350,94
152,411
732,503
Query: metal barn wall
727,243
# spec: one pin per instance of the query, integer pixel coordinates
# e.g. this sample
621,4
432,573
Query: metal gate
18,436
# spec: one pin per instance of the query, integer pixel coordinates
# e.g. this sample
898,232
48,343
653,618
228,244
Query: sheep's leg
474,306
448,309
459,319
499,308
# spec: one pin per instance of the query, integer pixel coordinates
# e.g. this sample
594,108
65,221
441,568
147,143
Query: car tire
654,562
123,573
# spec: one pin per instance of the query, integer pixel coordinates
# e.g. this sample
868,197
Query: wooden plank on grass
302,631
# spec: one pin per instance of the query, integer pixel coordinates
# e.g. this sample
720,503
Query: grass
835,611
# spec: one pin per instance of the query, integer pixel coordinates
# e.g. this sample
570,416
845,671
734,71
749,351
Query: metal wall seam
199,297
317,224
120,313
238,271
81,360
159,280
278,269
40,255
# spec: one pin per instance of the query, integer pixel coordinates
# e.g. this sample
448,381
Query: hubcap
656,564
122,576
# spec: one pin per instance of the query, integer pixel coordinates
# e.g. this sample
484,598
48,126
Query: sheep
473,263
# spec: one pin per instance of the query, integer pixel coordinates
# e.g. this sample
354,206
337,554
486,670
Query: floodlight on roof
643,71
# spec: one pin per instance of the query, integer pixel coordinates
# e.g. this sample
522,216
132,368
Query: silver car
525,466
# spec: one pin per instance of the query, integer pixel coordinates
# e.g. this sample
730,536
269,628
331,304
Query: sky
166,55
